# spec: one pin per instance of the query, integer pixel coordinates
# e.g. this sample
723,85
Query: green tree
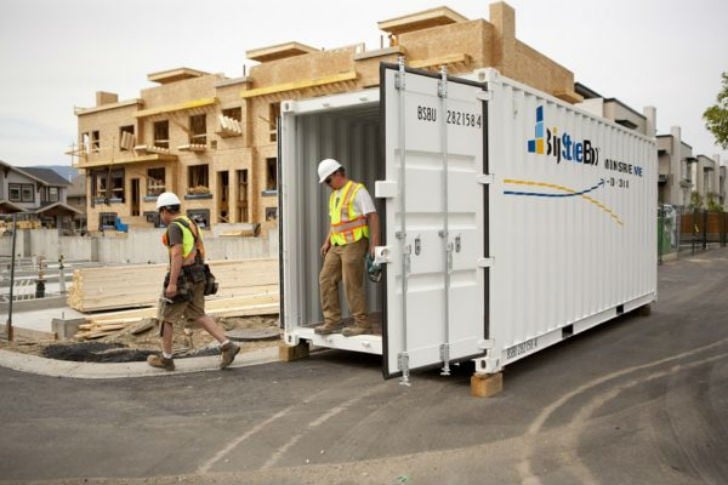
713,204
716,116
696,200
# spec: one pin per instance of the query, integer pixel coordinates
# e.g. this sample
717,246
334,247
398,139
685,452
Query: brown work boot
328,328
228,353
357,330
158,360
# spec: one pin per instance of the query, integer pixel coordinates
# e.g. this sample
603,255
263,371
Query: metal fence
684,230
25,278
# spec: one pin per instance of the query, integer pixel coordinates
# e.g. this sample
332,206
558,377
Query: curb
34,364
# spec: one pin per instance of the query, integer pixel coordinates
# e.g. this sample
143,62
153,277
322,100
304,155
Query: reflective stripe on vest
353,228
188,239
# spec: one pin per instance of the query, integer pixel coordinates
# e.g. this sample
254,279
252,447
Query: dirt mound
95,352
125,345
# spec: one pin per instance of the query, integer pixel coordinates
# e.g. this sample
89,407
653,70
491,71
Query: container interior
353,137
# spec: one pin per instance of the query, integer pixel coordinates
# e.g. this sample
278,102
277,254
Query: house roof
47,175
21,171
7,207
58,208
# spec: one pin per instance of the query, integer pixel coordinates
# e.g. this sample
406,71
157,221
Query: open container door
435,220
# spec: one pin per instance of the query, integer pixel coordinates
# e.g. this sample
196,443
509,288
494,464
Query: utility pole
9,325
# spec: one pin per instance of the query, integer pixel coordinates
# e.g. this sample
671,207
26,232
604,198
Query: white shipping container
510,219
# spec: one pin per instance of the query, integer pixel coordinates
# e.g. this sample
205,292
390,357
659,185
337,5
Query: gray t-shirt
174,234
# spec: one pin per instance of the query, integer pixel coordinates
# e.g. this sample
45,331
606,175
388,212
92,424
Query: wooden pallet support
287,353
486,385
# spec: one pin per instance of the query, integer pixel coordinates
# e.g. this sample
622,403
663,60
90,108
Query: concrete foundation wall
139,246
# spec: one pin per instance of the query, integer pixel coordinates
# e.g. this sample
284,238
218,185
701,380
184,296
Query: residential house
38,192
615,110
675,176
76,198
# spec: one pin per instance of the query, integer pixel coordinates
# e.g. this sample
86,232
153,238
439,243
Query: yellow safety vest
353,228
189,241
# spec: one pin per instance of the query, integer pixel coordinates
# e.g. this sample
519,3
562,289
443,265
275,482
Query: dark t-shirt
174,234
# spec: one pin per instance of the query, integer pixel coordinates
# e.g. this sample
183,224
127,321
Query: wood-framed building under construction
212,139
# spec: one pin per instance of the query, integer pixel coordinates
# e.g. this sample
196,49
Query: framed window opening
198,181
161,134
271,176
107,220
201,217
156,181
271,214
117,185
49,194
86,142
99,183
234,113
198,129
21,192
95,141
274,112
242,202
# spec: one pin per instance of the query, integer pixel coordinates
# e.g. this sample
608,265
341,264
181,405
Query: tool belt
210,282
186,281
189,277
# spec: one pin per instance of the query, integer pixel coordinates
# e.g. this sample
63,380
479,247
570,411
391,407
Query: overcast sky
55,54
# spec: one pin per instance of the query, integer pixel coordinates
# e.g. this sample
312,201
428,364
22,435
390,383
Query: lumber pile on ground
133,286
139,321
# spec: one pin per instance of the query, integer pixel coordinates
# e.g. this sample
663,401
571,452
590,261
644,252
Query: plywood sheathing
303,69
174,75
421,20
280,51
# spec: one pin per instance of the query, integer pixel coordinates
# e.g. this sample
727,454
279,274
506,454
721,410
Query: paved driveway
639,400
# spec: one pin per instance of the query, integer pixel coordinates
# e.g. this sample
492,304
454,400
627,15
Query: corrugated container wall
573,213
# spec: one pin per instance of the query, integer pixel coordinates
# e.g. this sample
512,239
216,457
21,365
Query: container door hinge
485,179
445,357
399,83
442,83
485,344
403,363
484,96
486,262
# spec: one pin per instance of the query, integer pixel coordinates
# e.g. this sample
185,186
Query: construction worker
184,285
353,231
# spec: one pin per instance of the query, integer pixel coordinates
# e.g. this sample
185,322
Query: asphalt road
640,400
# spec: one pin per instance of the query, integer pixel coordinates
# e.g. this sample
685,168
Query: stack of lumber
137,321
28,224
133,286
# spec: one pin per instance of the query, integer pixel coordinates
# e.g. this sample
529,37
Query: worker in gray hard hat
353,232
185,284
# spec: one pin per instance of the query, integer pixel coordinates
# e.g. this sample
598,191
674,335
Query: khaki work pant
344,263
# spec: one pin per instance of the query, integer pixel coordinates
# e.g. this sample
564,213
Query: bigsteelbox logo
548,142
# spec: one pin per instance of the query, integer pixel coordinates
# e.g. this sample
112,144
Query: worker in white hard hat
353,231
184,284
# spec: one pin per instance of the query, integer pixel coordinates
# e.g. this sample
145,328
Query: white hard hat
166,199
327,167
